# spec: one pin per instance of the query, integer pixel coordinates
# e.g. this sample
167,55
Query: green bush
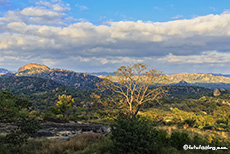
179,139
162,139
133,136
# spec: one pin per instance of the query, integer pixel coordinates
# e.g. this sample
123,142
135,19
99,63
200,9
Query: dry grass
195,131
57,146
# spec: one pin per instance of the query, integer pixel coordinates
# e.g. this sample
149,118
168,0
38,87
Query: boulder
216,92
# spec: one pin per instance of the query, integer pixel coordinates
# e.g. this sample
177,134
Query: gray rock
43,133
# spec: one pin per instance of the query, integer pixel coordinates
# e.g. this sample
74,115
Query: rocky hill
32,69
66,77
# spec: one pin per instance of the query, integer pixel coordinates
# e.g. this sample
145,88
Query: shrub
178,139
198,140
4,150
133,136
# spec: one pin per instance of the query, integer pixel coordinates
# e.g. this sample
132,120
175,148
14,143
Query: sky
173,36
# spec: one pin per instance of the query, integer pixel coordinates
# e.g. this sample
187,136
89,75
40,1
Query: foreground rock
67,130
61,130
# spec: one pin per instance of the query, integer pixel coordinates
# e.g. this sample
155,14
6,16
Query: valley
63,104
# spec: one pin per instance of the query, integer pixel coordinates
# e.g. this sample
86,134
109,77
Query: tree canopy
132,86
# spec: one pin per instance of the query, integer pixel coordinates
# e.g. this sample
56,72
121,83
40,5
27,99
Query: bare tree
132,86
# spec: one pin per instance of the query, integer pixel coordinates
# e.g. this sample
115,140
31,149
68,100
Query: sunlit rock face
32,69
216,92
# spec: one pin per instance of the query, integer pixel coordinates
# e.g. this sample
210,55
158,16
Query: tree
64,103
223,113
14,110
132,86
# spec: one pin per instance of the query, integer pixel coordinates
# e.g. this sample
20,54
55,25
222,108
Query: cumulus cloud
39,33
39,12
58,6
205,57
44,13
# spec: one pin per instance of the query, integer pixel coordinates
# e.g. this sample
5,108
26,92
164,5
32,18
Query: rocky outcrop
32,69
67,130
61,130
225,103
216,92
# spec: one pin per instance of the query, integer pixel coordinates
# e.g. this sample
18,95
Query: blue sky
91,36
145,10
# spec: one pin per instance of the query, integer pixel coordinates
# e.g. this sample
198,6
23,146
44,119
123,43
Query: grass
197,131
82,144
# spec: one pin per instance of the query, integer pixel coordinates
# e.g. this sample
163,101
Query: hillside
188,91
27,85
206,85
198,78
225,75
66,77
190,78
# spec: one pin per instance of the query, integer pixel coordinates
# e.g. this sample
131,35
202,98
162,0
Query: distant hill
225,75
66,77
3,70
188,91
84,80
198,78
27,85
102,73
187,77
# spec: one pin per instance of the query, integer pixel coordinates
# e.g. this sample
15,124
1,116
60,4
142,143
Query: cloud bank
42,33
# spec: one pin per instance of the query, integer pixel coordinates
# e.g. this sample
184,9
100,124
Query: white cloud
178,17
205,57
81,7
157,8
44,13
126,37
212,8
37,11
56,5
